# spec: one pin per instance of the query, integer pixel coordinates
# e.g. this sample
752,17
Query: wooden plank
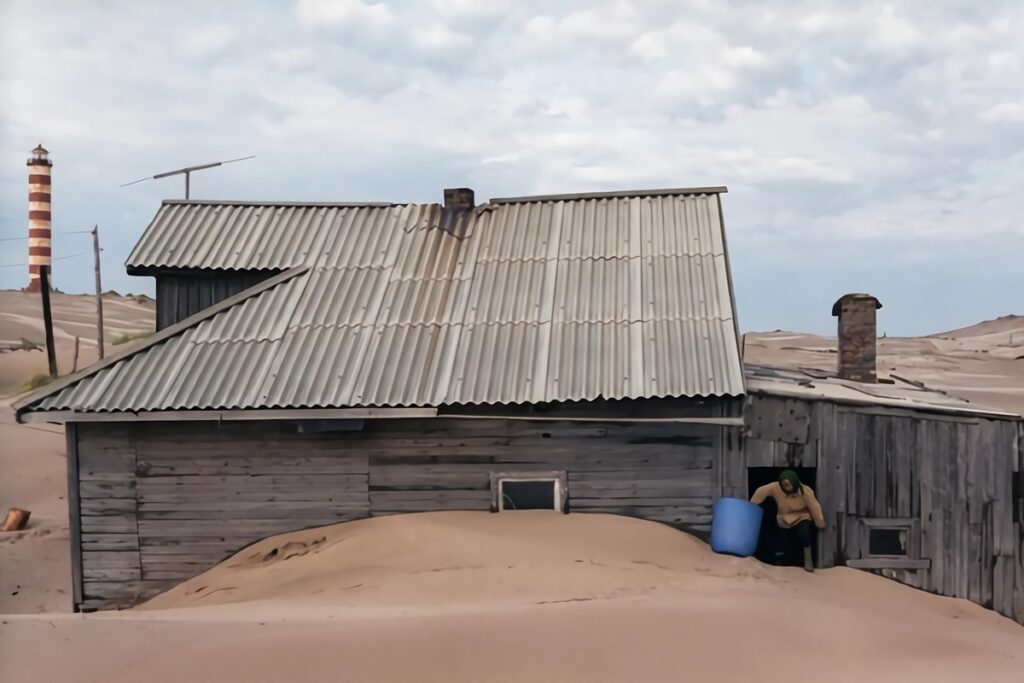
128,558
254,479
220,548
392,500
99,592
889,563
181,567
579,491
102,506
697,505
74,515
110,542
759,453
107,489
108,524
649,474
823,431
210,495
772,419
105,573
246,466
234,528
267,513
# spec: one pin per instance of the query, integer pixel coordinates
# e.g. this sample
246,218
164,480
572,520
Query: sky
867,147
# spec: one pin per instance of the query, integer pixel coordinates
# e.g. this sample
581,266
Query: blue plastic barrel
735,526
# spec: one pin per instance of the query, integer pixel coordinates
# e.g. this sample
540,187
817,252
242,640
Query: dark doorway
528,495
759,476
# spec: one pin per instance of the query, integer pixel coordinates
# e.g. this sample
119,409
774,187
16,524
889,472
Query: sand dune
526,596
35,566
74,315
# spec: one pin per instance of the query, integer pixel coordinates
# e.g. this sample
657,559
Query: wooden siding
162,502
1018,525
181,294
951,474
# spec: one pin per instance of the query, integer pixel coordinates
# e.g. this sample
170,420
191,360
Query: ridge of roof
257,202
680,191
158,337
610,195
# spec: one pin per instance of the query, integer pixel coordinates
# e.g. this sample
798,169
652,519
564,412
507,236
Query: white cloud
472,8
894,33
291,58
438,37
1004,63
832,123
821,22
351,13
208,40
1005,112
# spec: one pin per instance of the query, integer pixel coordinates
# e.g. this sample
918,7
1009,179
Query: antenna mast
187,172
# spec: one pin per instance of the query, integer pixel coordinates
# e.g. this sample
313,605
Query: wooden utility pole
99,288
44,289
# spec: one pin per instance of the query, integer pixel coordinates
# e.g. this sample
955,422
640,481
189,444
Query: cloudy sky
867,146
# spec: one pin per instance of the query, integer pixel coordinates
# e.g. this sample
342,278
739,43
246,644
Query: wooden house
316,363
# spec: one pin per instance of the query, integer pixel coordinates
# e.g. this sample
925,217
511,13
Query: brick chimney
458,199
857,336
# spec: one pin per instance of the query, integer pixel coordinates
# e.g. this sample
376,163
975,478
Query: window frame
557,479
911,560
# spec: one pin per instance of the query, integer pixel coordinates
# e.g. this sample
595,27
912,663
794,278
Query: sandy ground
983,363
522,596
21,318
35,569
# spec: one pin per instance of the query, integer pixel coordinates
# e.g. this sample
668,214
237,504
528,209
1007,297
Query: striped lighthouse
39,166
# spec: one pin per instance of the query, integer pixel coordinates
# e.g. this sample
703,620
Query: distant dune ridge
983,363
21,319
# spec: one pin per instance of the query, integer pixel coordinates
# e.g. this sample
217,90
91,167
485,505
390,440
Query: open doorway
759,476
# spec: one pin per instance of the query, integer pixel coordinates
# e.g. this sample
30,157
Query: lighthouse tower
39,166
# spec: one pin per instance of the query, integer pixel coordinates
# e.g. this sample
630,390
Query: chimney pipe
857,337
39,166
458,199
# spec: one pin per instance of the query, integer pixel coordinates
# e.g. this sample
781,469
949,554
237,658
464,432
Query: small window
888,542
527,491
528,495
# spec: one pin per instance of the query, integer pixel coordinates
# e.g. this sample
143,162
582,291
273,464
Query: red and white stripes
39,167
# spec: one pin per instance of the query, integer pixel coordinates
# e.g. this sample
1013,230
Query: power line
55,232
59,258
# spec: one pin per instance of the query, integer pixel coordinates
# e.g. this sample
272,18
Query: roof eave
24,404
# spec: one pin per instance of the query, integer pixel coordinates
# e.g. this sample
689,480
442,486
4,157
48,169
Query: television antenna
187,172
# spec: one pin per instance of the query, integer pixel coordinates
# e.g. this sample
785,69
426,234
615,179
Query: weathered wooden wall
181,294
953,474
1018,599
162,502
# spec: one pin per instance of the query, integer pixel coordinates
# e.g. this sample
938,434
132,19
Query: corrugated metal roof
577,298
